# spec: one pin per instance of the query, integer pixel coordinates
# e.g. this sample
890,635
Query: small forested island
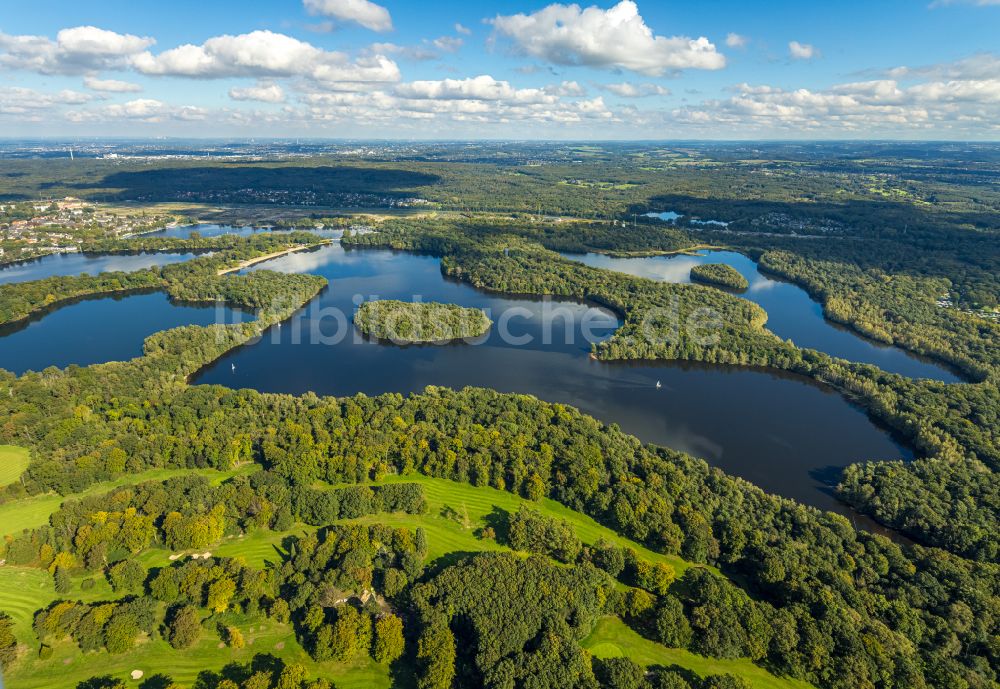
416,322
719,274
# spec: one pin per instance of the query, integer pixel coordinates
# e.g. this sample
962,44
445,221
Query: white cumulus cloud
978,66
18,100
263,92
448,44
363,12
265,54
801,51
110,85
614,38
735,40
450,105
566,88
483,88
139,110
76,50
629,90
861,108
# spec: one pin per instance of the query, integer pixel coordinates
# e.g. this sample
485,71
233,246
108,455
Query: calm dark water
791,312
92,331
784,433
92,264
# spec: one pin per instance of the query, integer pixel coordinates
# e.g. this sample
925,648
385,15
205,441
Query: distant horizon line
297,139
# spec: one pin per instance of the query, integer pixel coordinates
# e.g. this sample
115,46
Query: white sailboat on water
658,386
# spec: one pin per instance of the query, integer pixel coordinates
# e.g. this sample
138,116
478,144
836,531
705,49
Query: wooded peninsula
719,274
222,537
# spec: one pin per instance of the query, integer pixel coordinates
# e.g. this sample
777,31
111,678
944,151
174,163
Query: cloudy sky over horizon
909,69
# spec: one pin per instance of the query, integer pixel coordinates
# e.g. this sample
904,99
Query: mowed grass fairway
452,504
24,590
455,513
13,462
612,638
30,513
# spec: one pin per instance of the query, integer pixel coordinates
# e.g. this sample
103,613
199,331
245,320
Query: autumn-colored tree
656,578
389,643
234,638
279,610
436,655
637,602
219,594
127,575
120,633
258,680
293,676
393,581
8,643
534,488
62,559
184,627
351,634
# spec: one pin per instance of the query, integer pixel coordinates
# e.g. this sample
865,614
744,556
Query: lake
783,432
96,330
92,264
791,312
206,230
673,216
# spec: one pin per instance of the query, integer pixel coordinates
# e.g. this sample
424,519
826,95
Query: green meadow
13,462
612,638
455,515
29,513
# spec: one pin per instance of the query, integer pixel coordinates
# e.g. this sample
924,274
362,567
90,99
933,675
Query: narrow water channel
91,264
791,312
96,330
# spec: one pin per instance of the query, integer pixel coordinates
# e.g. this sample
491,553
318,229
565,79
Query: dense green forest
862,189
196,280
666,500
401,322
719,274
955,427
83,426
467,538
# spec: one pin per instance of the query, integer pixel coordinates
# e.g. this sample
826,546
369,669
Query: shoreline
650,253
168,226
267,257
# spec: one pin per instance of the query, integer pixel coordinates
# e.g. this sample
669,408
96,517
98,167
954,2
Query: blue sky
521,69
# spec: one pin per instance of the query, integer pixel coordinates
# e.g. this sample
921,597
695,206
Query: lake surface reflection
206,230
92,264
784,433
791,312
92,331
